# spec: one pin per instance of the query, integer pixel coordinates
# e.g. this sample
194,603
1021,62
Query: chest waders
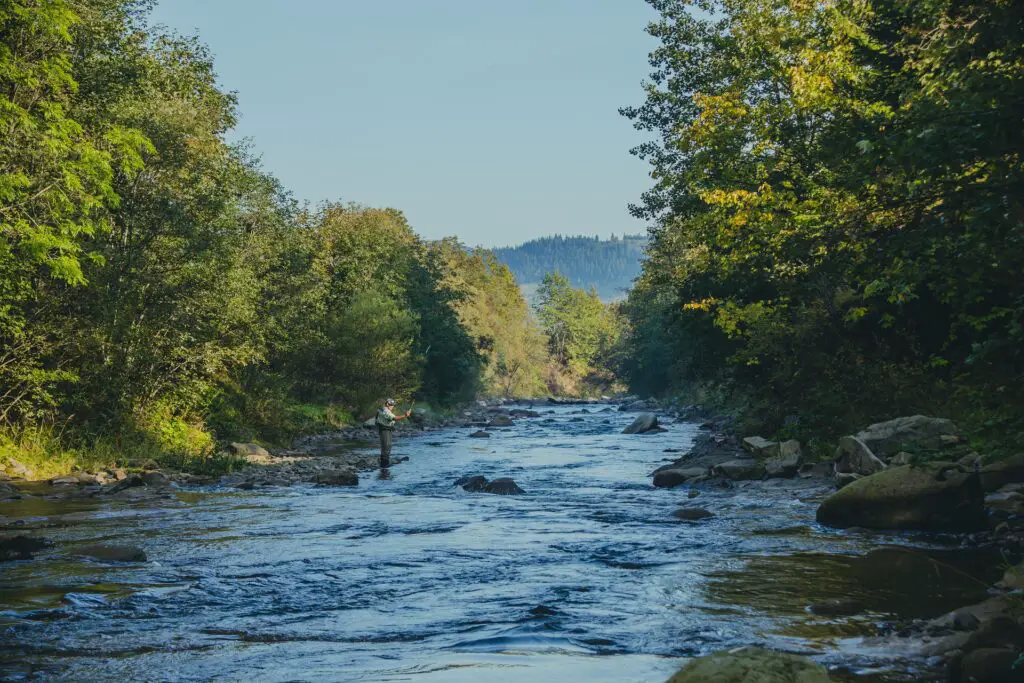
386,434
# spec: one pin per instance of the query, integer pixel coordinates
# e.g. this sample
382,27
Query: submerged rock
500,421
480,434
751,665
936,497
342,477
472,483
503,487
111,553
21,547
692,514
643,423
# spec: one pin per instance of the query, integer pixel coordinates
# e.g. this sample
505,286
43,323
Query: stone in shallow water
21,547
481,434
472,483
692,514
111,553
751,665
934,497
674,476
342,477
642,424
503,487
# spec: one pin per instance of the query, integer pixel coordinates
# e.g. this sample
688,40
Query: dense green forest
609,266
837,210
161,293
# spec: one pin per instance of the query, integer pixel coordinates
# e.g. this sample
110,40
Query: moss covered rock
934,497
751,665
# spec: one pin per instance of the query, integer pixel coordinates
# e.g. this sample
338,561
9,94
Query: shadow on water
889,582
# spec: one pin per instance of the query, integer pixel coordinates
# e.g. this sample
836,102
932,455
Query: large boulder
740,469
674,476
998,474
503,487
784,466
934,497
760,447
751,665
341,477
913,433
111,553
643,423
854,457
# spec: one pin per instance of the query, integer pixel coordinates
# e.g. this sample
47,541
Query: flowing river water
587,577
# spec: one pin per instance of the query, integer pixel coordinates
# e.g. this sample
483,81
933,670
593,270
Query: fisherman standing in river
386,420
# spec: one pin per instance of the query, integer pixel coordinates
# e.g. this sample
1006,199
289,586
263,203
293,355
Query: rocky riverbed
309,561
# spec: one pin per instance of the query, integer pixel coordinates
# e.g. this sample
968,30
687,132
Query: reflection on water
588,577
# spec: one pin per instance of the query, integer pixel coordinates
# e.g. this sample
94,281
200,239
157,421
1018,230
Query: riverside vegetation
837,209
836,242
161,294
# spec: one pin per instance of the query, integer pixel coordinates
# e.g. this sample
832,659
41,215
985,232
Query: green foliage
582,332
837,205
160,294
497,320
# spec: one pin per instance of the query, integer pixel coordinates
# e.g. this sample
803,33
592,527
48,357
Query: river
587,577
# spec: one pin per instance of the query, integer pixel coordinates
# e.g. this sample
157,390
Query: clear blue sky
492,120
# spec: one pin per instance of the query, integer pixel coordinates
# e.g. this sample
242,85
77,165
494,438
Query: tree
804,208
578,326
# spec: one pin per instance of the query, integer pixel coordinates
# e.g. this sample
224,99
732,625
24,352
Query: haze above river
587,577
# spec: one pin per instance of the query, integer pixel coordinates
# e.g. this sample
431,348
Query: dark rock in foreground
935,497
481,434
751,665
503,487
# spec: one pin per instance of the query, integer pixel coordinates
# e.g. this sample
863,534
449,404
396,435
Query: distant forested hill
608,265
